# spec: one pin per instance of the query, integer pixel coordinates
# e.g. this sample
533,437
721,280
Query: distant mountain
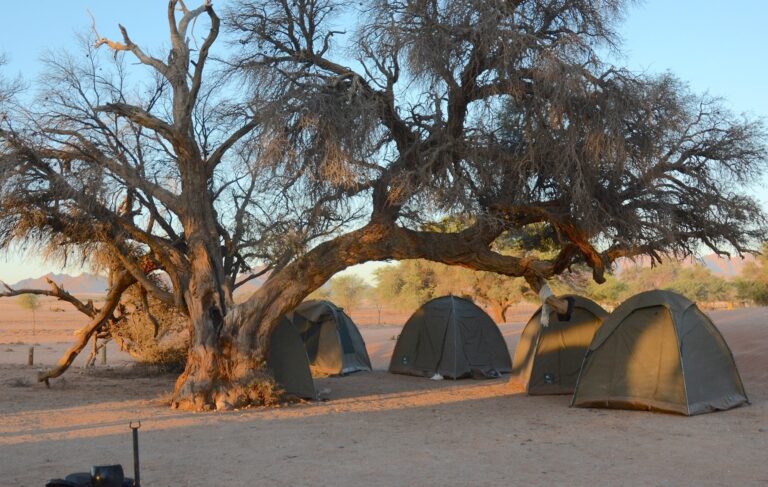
726,267
83,284
719,266
87,283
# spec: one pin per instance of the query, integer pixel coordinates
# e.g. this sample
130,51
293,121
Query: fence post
31,356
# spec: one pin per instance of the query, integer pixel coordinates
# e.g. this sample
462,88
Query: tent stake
136,470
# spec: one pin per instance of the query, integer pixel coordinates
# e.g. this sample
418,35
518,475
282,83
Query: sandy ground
377,428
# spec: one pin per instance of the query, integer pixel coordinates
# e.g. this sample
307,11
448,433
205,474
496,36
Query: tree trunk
226,368
223,370
222,378
220,371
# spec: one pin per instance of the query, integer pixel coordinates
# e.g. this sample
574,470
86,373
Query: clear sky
717,46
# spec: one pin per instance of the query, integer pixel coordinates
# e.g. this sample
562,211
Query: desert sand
376,429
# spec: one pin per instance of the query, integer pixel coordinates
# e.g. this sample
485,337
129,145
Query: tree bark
223,370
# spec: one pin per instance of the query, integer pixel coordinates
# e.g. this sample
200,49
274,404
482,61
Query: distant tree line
409,284
752,285
696,282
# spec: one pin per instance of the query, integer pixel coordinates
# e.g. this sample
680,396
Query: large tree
309,150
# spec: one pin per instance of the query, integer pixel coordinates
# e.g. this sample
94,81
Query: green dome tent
657,351
450,337
333,343
548,359
288,362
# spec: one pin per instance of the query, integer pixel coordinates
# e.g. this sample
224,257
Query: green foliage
347,291
28,301
612,291
752,284
406,285
699,284
695,282
411,283
752,290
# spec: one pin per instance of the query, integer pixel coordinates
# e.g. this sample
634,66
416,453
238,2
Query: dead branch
54,291
99,318
148,311
127,45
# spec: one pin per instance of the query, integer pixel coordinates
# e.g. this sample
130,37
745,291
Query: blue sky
717,46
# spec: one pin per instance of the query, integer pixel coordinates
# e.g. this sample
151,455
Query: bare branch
252,276
141,117
140,276
216,156
129,174
202,56
84,335
54,291
128,45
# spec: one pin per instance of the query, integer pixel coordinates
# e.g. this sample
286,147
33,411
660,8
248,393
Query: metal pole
103,354
136,471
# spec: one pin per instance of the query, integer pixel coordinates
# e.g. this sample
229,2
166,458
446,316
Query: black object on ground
136,470
104,475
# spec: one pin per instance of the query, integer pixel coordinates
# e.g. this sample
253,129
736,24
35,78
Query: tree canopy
302,150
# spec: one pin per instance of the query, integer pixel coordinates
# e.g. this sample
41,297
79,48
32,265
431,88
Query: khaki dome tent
548,360
451,337
288,362
333,342
658,351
